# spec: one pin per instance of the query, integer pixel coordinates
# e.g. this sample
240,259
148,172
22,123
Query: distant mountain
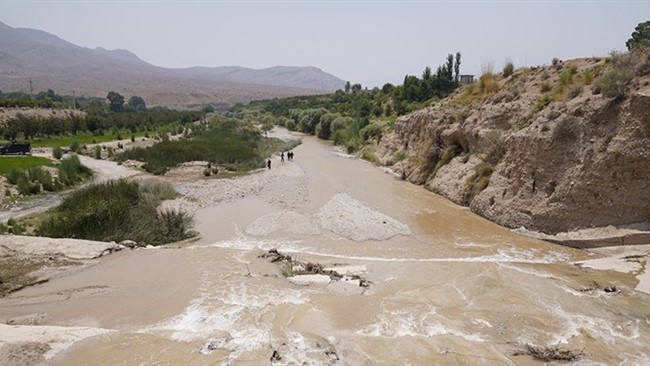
53,63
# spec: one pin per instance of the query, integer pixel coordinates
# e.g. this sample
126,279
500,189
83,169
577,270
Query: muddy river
445,286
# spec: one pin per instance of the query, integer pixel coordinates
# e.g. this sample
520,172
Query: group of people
289,157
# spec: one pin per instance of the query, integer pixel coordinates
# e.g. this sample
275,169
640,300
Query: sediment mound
354,220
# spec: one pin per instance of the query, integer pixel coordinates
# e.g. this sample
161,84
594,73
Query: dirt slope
547,148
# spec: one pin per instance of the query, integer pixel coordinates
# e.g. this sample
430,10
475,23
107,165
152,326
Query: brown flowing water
459,290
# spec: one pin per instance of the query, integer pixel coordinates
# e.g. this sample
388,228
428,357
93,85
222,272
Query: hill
53,63
552,148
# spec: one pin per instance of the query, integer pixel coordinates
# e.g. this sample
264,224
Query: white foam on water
527,271
228,318
412,322
634,360
510,255
606,330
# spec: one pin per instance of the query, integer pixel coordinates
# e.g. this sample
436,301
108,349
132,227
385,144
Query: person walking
282,156
268,163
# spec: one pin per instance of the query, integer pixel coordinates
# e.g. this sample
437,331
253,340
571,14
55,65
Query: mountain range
50,62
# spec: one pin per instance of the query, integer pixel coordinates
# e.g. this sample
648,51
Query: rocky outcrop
570,156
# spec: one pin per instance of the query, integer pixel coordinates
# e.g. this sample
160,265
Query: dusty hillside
49,62
552,148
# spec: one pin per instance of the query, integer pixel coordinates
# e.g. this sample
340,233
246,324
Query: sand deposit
354,220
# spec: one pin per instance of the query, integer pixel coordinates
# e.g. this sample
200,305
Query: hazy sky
371,42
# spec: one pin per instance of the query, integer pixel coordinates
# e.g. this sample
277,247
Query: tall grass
116,211
226,143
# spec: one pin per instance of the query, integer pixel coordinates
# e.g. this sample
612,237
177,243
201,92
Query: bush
133,137
574,91
508,69
27,188
477,182
98,152
74,146
15,175
207,172
371,131
493,147
57,153
542,103
488,84
566,130
545,87
613,84
118,210
71,171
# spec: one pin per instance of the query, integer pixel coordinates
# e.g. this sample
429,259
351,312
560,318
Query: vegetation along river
406,277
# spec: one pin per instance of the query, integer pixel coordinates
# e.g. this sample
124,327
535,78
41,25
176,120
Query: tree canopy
640,37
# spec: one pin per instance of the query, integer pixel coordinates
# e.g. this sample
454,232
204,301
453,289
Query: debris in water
595,286
549,353
293,267
275,357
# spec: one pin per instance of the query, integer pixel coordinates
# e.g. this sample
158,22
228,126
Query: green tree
136,103
347,87
640,37
457,68
115,101
356,88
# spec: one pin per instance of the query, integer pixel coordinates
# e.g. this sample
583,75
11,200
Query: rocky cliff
552,149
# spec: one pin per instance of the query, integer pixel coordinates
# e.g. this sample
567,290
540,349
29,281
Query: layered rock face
563,153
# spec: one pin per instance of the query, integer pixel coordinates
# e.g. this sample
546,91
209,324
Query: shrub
371,131
508,69
545,87
15,175
574,91
118,210
133,137
555,61
447,155
566,130
57,153
71,171
74,146
207,172
7,192
613,84
477,182
488,84
542,103
27,188
566,78
588,76
493,147
98,152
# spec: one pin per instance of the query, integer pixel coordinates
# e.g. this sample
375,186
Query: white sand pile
57,338
628,259
289,221
283,185
354,220
70,248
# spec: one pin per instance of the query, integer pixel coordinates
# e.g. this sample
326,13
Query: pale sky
371,42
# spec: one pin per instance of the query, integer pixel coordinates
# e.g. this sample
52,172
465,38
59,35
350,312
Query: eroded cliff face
574,157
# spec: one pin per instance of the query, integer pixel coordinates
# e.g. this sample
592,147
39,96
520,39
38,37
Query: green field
7,163
82,139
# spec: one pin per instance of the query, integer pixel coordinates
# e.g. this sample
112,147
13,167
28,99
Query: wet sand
446,286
